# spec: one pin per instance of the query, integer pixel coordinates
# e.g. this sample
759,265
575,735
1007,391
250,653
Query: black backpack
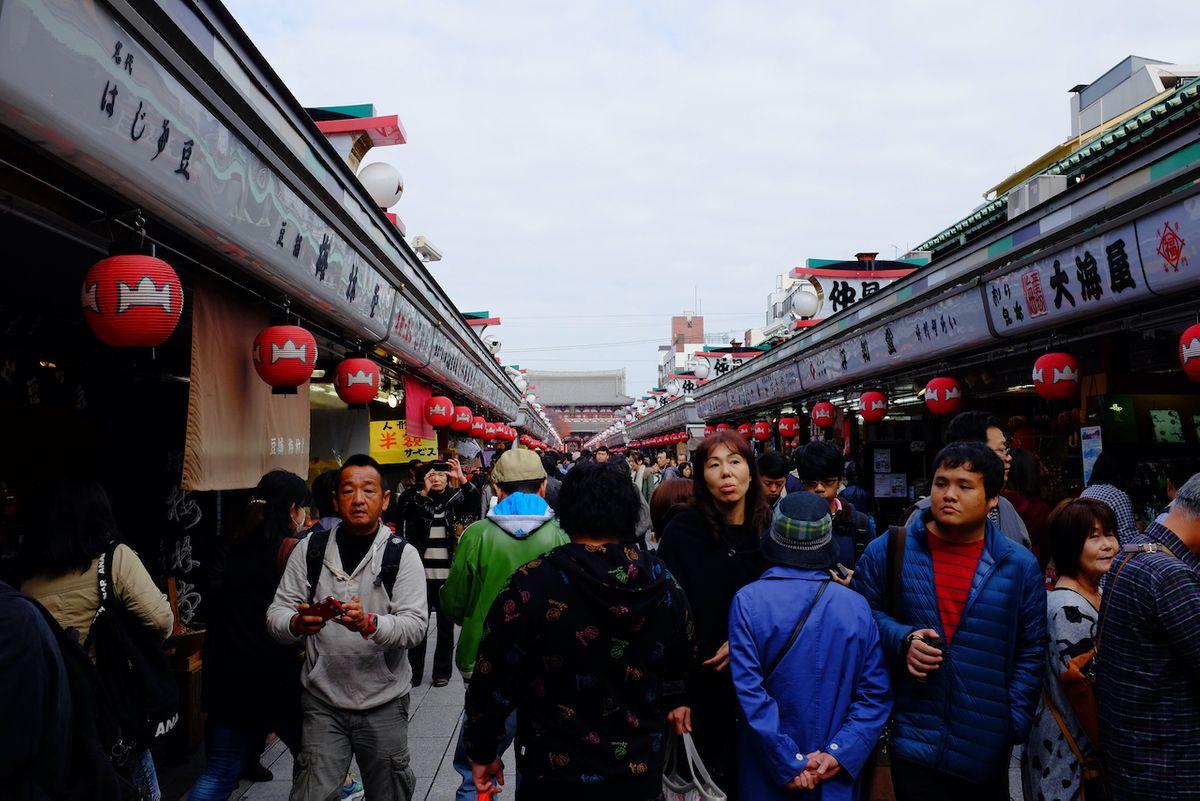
314,558
133,670
99,753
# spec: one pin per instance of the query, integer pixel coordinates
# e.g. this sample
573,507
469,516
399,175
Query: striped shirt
953,571
1148,660
437,552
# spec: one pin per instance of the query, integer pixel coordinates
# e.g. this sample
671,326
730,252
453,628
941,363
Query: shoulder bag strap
103,587
787,646
1062,726
314,558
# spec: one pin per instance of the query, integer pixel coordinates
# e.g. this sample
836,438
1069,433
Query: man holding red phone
356,676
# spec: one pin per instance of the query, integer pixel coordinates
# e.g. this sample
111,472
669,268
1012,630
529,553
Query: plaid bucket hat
801,533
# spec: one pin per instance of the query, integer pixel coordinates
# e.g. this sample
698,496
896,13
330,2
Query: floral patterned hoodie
590,644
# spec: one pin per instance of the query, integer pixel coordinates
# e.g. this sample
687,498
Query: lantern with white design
438,411
1189,352
746,430
356,381
478,426
491,430
722,426
132,301
284,356
709,430
1056,376
461,421
789,427
824,414
872,405
762,431
943,395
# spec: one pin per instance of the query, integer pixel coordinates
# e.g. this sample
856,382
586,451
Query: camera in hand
328,609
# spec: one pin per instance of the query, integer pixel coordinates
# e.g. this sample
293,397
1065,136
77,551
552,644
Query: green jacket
488,553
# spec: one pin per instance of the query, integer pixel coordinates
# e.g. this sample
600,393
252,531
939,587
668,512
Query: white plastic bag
697,785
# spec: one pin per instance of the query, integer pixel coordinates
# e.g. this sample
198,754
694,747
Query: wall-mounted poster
1167,425
883,460
1090,444
891,485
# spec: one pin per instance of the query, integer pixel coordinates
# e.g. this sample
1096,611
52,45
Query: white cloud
591,158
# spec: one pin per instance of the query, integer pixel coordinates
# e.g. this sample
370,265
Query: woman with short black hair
1081,540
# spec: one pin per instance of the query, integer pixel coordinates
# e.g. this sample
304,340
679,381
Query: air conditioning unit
1034,192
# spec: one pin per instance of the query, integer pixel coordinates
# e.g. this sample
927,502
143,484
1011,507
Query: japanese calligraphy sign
391,445
1090,277
1169,242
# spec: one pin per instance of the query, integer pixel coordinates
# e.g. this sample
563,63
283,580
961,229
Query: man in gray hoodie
356,678
986,428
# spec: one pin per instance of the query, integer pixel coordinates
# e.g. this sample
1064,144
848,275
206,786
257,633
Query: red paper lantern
1056,376
722,426
824,414
789,427
872,406
943,395
356,381
284,356
461,421
478,426
490,430
1189,352
132,301
709,430
745,429
762,431
438,411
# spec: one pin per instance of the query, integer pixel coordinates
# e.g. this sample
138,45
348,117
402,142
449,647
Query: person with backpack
100,590
1148,649
806,663
35,693
428,519
822,470
961,611
251,683
355,595
520,528
1060,761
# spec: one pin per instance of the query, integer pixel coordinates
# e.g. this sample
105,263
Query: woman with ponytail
251,683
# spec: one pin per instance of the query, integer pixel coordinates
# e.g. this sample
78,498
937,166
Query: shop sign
391,445
1085,279
955,322
1169,241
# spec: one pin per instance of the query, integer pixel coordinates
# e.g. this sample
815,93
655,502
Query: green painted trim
360,111
999,246
479,315
1176,161
904,293
815,263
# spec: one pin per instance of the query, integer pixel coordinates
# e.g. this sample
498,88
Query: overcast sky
587,167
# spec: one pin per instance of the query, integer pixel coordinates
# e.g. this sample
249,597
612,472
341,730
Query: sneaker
352,789
440,682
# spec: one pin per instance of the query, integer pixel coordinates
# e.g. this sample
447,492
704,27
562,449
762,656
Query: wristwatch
372,624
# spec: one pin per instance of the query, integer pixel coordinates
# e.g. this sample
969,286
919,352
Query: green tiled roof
1134,131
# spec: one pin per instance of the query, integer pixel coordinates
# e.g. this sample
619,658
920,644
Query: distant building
687,337
586,402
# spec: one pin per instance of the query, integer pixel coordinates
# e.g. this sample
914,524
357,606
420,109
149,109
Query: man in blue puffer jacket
966,637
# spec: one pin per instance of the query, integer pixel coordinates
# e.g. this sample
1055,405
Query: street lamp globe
702,369
383,183
805,303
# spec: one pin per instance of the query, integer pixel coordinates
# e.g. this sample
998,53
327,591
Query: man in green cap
518,530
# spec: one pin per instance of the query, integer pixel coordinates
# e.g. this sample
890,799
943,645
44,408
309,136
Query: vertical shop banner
416,393
391,444
236,429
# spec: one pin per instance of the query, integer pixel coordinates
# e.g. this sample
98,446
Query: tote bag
698,785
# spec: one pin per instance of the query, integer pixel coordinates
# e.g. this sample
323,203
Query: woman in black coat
712,550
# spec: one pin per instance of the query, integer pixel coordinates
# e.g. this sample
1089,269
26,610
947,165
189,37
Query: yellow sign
391,445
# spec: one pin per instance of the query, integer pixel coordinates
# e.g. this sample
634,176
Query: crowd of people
616,610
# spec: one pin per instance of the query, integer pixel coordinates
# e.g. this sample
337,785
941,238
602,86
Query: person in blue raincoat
814,704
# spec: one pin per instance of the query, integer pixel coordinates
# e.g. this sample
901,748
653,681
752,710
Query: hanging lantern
762,431
1189,352
789,427
438,411
490,431
722,426
356,381
823,414
943,395
132,301
709,430
461,421
745,429
1056,376
872,405
478,426
284,356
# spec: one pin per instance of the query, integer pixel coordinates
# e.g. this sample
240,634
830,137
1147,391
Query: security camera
492,342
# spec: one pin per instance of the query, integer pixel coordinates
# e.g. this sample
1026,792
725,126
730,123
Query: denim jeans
466,790
145,778
228,748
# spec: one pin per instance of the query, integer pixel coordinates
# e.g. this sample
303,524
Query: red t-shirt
953,570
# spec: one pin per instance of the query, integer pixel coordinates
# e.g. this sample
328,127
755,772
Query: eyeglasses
828,482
